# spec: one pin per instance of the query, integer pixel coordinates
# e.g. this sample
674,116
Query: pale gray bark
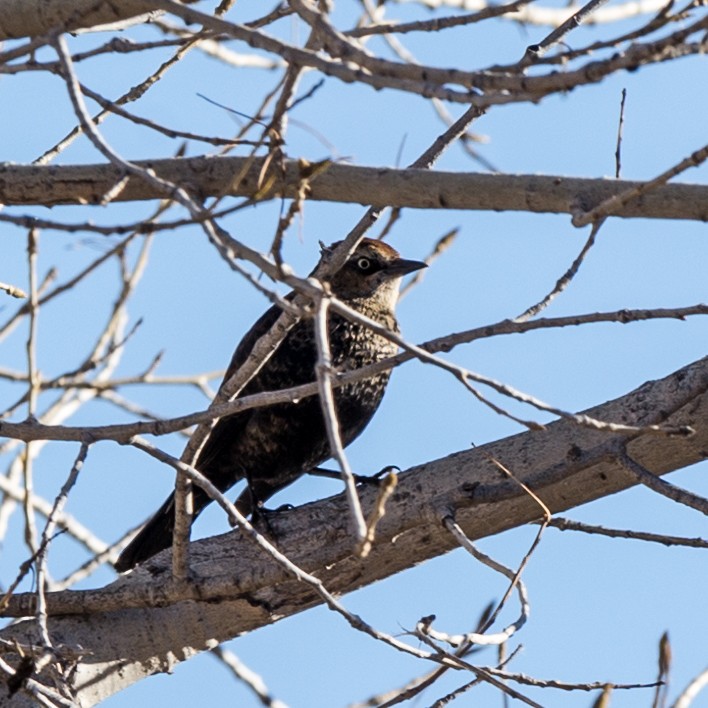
32,18
141,625
371,186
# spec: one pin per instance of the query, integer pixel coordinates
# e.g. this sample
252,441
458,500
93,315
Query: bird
270,447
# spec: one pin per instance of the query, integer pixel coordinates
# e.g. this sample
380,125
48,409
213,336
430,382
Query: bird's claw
261,516
278,509
377,477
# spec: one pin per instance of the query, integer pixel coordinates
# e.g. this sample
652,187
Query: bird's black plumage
272,446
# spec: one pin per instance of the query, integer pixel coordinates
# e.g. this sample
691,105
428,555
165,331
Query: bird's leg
247,503
260,518
251,501
358,478
322,472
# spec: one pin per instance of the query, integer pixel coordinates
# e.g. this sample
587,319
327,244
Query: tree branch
235,589
372,186
30,18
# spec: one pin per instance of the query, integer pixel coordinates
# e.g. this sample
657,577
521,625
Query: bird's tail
154,537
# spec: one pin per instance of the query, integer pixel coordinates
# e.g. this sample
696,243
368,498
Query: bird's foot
261,518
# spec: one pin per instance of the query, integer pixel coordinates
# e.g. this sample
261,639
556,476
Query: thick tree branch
374,186
235,588
31,18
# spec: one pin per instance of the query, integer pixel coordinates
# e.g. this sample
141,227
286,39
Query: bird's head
374,270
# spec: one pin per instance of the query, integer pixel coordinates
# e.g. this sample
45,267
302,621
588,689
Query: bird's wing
228,428
261,327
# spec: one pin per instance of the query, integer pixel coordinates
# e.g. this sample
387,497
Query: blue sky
598,606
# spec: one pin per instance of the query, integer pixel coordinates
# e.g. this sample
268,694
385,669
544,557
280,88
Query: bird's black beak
401,267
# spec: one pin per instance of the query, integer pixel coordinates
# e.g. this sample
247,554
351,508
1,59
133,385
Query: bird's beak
401,267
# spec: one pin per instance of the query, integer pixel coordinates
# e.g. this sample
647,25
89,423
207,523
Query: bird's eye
364,264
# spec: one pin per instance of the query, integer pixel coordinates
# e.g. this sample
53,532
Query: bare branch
32,430
36,17
379,187
609,206
688,695
468,482
247,676
649,479
325,375
570,525
79,647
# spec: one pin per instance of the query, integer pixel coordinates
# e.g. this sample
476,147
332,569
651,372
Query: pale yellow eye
364,263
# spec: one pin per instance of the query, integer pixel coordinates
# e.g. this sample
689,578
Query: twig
55,517
441,245
439,23
481,637
656,484
47,536
688,695
64,521
114,108
564,685
563,282
619,200
620,129
70,401
121,432
132,94
67,286
575,20
545,15
108,554
664,670
248,677
13,290
515,577
547,518
32,391
431,81
442,702
324,372
386,489
88,365
224,245
44,695
482,673
563,524
465,376
662,18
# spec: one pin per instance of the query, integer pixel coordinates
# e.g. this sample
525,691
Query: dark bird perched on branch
273,446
